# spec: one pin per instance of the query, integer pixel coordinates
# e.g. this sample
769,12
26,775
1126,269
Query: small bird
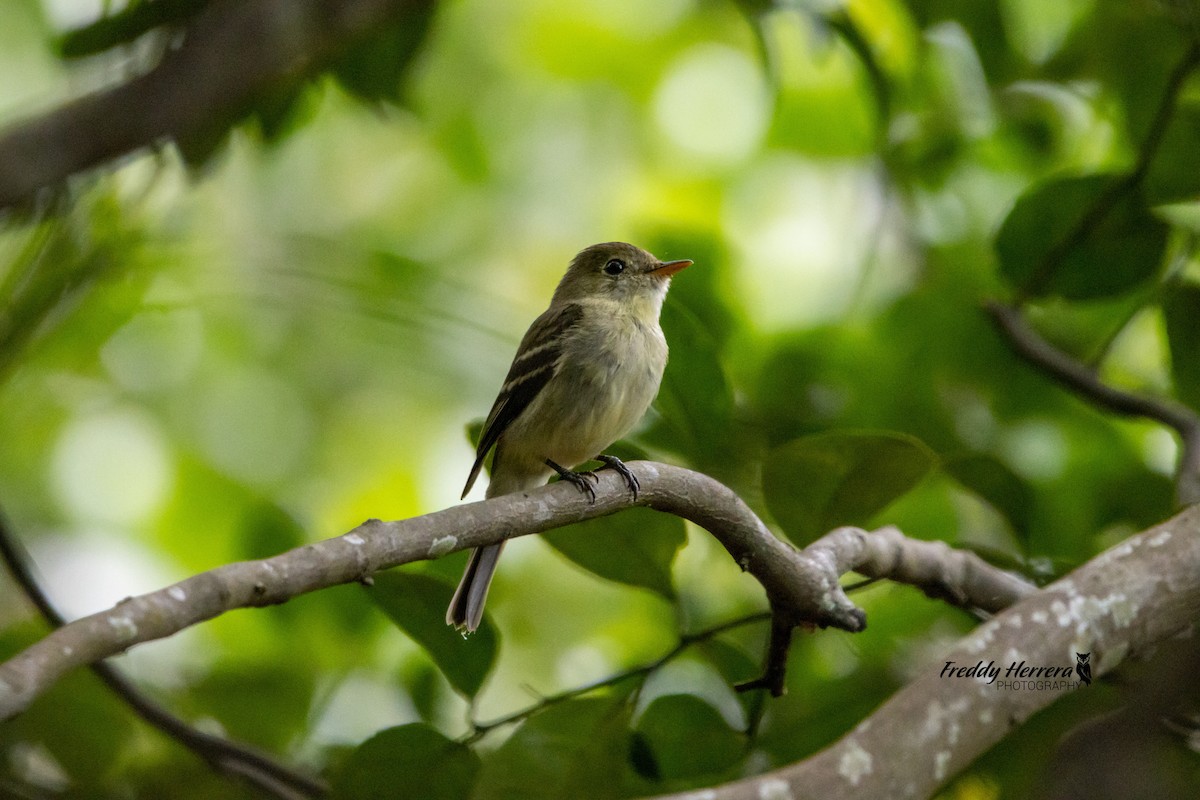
584,374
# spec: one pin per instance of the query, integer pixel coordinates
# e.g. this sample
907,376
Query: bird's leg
580,479
616,464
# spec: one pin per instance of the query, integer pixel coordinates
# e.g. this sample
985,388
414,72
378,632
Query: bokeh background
218,351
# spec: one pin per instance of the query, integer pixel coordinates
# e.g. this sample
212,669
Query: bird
584,374
1083,667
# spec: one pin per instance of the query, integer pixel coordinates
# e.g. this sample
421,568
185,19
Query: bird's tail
466,609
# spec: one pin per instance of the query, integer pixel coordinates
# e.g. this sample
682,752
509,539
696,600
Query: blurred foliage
413,755
203,366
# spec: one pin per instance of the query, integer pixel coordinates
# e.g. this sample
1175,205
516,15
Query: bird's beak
666,269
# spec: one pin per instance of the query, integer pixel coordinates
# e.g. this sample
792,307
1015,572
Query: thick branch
802,586
1141,592
1077,377
232,53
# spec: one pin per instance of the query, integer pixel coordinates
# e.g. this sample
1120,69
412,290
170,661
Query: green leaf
417,605
737,666
283,108
267,530
198,146
266,705
569,750
996,483
819,482
1174,174
1041,252
373,69
635,547
734,663
422,681
1182,312
407,758
687,738
695,400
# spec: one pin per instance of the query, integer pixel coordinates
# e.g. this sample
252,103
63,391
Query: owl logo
1083,667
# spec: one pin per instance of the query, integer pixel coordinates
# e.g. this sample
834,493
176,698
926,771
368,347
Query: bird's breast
606,379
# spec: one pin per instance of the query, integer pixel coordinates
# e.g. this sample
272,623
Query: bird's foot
579,479
617,465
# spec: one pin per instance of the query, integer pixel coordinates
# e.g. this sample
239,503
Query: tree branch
232,53
251,764
1082,380
1141,592
802,586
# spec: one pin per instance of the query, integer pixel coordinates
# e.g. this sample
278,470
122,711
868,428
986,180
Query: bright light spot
580,664
1039,29
693,677
112,466
1036,450
713,103
37,766
833,657
360,706
68,14
629,17
154,350
92,569
952,50
803,233
974,421
253,426
1160,451
1139,355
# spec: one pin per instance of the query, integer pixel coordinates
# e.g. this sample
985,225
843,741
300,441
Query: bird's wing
535,363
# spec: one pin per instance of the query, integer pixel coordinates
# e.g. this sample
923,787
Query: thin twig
778,645
1081,380
481,729
850,588
252,765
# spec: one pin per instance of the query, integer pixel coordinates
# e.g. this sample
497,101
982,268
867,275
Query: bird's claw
584,481
581,483
617,465
579,479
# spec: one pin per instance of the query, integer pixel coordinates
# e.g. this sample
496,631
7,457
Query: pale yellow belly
600,393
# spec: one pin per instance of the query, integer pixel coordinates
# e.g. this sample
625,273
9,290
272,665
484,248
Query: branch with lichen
1141,592
1122,603
802,586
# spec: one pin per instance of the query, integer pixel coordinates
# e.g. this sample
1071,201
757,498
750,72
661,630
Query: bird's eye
615,266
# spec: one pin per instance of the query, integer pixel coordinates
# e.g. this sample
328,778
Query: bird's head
617,271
